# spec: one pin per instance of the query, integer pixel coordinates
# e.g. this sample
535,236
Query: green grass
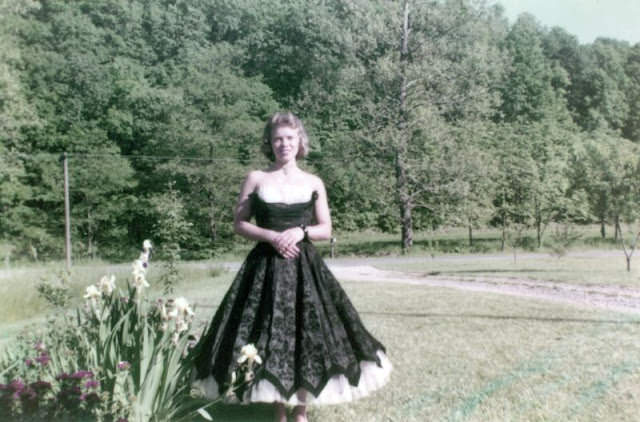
20,303
454,240
589,268
458,356
477,357
462,356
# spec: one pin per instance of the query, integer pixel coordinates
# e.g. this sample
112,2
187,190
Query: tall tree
18,222
631,129
606,168
527,92
430,68
600,98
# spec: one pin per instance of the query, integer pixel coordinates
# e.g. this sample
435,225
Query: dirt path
615,298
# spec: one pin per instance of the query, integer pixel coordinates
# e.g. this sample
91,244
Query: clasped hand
286,242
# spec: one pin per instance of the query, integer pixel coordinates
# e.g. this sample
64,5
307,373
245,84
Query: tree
429,69
535,109
100,185
141,79
527,93
606,168
631,129
171,232
476,183
601,86
16,116
220,129
514,194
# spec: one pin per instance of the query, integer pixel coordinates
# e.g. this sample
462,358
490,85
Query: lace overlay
314,346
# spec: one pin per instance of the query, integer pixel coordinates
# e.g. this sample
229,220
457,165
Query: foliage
171,231
141,93
563,237
119,357
607,168
56,291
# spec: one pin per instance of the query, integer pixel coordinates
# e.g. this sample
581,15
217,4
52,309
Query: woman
284,299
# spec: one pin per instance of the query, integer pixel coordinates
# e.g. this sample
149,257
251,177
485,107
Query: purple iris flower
124,365
43,359
82,374
92,384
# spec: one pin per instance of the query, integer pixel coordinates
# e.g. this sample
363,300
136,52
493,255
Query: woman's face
285,142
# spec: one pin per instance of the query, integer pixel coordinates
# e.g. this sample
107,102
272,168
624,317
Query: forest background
421,114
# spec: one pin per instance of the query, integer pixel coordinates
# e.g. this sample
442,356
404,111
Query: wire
324,158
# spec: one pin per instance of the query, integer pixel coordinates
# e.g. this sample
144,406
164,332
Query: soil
614,298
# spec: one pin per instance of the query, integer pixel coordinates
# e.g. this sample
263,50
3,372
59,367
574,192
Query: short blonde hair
289,119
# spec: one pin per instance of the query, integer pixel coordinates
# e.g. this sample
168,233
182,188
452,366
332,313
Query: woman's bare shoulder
256,174
253,179
314,181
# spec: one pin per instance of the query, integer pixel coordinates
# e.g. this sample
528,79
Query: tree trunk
617,230
404,202
470,235
602,228
504,232
212,219
434,230
213,232
402,181
538,222
407,226
628,263
89,235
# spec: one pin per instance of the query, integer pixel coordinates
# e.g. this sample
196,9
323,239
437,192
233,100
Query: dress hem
338,389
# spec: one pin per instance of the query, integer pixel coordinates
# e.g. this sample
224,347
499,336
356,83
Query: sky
586,19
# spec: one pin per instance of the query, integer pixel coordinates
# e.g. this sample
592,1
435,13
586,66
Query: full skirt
312,343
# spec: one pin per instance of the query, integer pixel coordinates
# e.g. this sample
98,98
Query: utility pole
67,212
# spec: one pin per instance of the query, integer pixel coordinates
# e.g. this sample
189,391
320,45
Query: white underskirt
337,390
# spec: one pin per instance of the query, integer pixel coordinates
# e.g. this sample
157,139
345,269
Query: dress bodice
280,216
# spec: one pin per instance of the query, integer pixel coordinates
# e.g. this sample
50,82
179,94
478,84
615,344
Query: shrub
119,357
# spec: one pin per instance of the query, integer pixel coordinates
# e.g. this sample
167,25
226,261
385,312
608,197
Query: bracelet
306,233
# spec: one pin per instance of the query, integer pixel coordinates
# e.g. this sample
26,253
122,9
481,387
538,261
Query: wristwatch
306,233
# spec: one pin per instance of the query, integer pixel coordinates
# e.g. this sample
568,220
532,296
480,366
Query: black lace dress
313,344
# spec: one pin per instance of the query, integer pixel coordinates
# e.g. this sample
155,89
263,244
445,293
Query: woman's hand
286,242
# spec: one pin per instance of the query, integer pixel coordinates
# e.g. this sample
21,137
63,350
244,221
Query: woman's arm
322,229
242,213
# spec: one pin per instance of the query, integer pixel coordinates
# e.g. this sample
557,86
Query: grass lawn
588,268
461,356
456,240
458,356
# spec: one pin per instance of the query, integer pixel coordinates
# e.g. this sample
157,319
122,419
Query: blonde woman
312,345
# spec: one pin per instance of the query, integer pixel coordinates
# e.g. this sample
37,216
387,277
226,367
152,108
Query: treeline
420,114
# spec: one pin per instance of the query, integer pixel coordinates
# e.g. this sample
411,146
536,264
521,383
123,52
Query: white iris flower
107,284
92,293
249,354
